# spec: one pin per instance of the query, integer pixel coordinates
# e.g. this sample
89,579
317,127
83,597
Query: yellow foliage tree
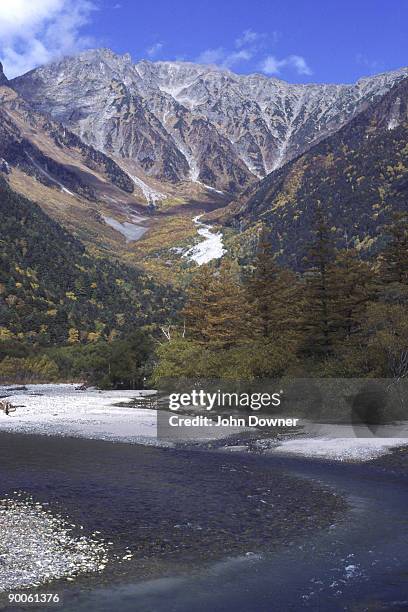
73,335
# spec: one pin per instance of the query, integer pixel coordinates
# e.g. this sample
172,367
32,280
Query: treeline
121,363
342,317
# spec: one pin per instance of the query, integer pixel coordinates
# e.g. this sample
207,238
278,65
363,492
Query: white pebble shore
37,546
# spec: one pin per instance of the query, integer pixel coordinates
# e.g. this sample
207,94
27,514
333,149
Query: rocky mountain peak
357,173
211,124
3,78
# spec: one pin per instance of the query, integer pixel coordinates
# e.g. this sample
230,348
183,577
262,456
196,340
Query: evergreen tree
317,324
273,296
215,311
386,323
395,255
352,287
199,296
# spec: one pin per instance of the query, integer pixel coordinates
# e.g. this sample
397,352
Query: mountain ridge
359,175
254,123
182,136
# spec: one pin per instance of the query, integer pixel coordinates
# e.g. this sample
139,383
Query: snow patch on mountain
395,115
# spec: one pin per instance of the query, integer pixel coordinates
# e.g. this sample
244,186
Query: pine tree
199,297
352,287
386,323
317,324
273,296
395,255
215,311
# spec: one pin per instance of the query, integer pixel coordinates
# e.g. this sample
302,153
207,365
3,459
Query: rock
4,166
3,78
7,406
184,121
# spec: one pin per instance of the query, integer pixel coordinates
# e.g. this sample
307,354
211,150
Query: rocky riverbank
37,546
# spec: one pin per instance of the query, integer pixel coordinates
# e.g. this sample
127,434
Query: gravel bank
37,546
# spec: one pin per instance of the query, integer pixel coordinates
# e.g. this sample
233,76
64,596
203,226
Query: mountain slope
359,174
74,183
178,121
49,284
3,78
45,149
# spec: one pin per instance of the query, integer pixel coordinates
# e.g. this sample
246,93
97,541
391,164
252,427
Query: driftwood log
7,406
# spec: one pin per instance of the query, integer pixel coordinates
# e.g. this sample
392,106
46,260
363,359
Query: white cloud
270,65
247,46
273,65
211,56
300,64
32,33
236,57
250,45
223,58
373,66
155,49
248,37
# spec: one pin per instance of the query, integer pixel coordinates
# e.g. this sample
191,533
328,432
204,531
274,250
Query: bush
28,370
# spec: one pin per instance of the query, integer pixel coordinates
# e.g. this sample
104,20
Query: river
208,249
219,512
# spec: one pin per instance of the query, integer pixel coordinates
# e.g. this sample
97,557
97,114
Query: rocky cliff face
178,121
3,78
46,150
359,175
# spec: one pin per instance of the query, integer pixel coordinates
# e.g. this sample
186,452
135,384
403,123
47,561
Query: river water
356,562
208,249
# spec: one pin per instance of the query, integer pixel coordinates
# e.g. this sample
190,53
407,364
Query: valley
203,306
162,142
179,176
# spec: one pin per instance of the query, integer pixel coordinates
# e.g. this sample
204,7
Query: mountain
3,78
359,175
79,186
49,284
182,122
88,193
95,137
56,157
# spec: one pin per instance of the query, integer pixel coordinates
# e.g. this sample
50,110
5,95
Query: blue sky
296,40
